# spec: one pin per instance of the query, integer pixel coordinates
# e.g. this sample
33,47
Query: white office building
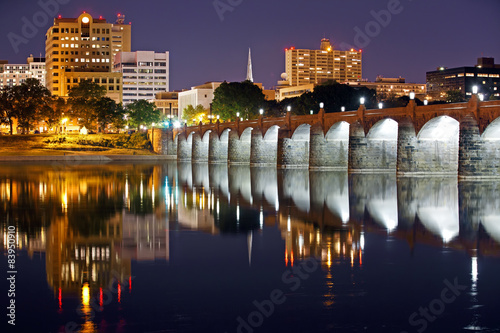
16,74
145,73
199,95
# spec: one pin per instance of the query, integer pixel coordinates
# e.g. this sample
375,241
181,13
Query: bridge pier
200,147
434,150
293,152
479,156
375,152
329,151
218,147
239,147
264,148
184,147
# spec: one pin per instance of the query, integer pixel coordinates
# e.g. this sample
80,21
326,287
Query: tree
83,100
142,112
454,96
243,97
53,111
193,115
7,111
109,112
334,96
30,99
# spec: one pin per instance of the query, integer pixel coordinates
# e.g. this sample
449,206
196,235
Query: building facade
84,48
304,66
16,74
393,87
167,103
145,73
485,75
199,95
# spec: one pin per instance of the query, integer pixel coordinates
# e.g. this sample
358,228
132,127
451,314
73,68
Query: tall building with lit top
83,48
305,66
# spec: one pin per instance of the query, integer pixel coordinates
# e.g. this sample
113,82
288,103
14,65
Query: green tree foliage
454,96
192,115
142,112
53,111
83,100
31,99
7,110
243,97
109,112
334,96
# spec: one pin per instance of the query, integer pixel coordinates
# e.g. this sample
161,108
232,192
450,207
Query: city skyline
209,42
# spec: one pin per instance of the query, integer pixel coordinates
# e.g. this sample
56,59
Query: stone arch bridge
461,138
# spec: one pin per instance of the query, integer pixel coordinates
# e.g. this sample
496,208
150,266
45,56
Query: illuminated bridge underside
461,138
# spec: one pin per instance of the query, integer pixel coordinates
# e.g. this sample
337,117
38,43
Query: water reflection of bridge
435,210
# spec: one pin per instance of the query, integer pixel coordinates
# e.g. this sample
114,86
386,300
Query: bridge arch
377,151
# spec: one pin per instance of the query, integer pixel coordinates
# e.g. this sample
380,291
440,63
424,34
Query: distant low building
167,103
392,87
198,95
283,92
16,74
485,75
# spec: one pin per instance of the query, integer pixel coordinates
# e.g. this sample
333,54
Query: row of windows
144,71
145,77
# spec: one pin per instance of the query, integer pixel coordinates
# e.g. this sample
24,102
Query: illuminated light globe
289,108
426,102
321,105
481,97
85,20
380,105
474,89
412,95
177,124
362,100
342,108
261,111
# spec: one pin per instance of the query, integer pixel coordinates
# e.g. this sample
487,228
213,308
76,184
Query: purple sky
421,34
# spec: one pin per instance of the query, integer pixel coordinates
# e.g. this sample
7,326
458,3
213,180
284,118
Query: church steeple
249,66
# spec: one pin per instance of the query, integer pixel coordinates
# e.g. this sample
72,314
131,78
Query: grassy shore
74,144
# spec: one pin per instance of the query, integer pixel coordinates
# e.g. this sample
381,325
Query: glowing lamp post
412,95
362,101
342,109
321,105
474,90
481,97
380,105
311,111
261,112
426,102
288,108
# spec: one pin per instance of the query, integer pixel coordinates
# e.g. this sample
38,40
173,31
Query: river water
180,247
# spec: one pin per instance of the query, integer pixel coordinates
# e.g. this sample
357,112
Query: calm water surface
209,248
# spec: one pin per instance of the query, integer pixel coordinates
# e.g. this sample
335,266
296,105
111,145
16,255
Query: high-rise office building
83,48
145,73
305,66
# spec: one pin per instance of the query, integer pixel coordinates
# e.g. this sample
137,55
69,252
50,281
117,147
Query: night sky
206,45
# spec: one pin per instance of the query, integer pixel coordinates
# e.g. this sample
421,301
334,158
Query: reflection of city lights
85,294
329,258
362,241
474,270
238,213
261,219
64,200
100,297
288,224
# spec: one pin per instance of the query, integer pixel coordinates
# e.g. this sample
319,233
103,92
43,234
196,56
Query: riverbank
92,147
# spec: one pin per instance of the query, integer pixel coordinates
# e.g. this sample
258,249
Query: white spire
249,67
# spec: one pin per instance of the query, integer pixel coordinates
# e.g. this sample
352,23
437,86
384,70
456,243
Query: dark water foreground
206,248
